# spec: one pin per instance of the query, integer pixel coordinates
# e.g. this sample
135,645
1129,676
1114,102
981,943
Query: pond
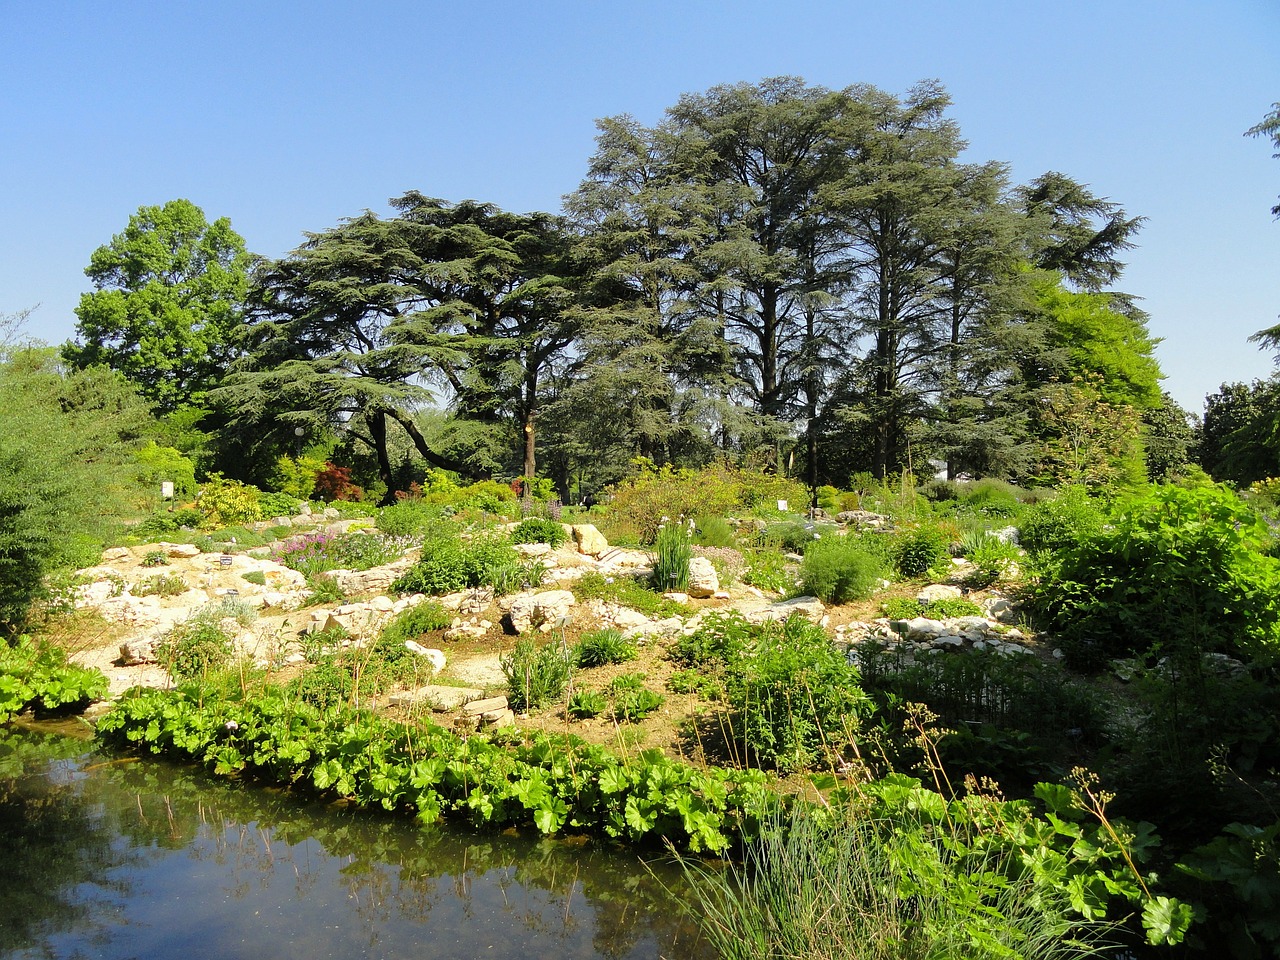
113,858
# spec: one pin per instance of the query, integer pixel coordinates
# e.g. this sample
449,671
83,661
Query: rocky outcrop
540,611
588,539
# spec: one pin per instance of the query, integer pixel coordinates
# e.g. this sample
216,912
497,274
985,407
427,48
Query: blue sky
288,116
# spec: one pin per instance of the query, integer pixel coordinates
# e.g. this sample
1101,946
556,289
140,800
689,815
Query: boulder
436,657
180,551
703,579
475,708
111,554
810,608
921,629
139,650
540,610
938,591
589,540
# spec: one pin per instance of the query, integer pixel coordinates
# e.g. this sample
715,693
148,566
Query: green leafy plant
711,531
598,648
585,704
223,502
1061,523
944,608
37,675
694,681
795,697
920,550
155,558
768,570
412,622
256,577
536,676
632,700
539,530
447,565
195,647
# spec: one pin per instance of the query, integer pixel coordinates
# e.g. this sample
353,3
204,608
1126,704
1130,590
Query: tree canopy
169,295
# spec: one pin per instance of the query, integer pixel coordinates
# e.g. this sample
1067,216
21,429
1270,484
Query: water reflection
119,860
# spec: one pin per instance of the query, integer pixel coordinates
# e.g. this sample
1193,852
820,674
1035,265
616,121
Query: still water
103,858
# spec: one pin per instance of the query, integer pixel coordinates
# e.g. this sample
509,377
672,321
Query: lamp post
299,432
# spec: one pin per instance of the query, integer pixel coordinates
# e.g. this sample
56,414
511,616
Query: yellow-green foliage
717,490
156,464
225,502
297,476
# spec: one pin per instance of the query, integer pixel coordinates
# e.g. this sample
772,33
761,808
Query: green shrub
256,577
409,518
223,502
992,497
1177,572
412,622
947,607
672,553
599,648
632,700
920,550
241,537
536,676
794,536
795,697
196,647
155,558
713,532
840,569
278,505
539,530
900,608
1061,523
719,640
447,565
992,559
584,704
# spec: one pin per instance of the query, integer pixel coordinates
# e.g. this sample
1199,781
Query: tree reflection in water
119,859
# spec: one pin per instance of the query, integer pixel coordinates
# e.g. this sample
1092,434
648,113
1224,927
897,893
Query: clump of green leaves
223,502
585,704
599,648
1177,571
448,565
539,530
712,531
632,700
196,647
256,577
37,675
768,570
795,698
412,622
1060,523
536,676
840,569
155,558
410,518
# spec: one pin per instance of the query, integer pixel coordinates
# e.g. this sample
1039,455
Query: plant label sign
224,561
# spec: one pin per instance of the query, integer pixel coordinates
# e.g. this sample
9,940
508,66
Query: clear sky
286,116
